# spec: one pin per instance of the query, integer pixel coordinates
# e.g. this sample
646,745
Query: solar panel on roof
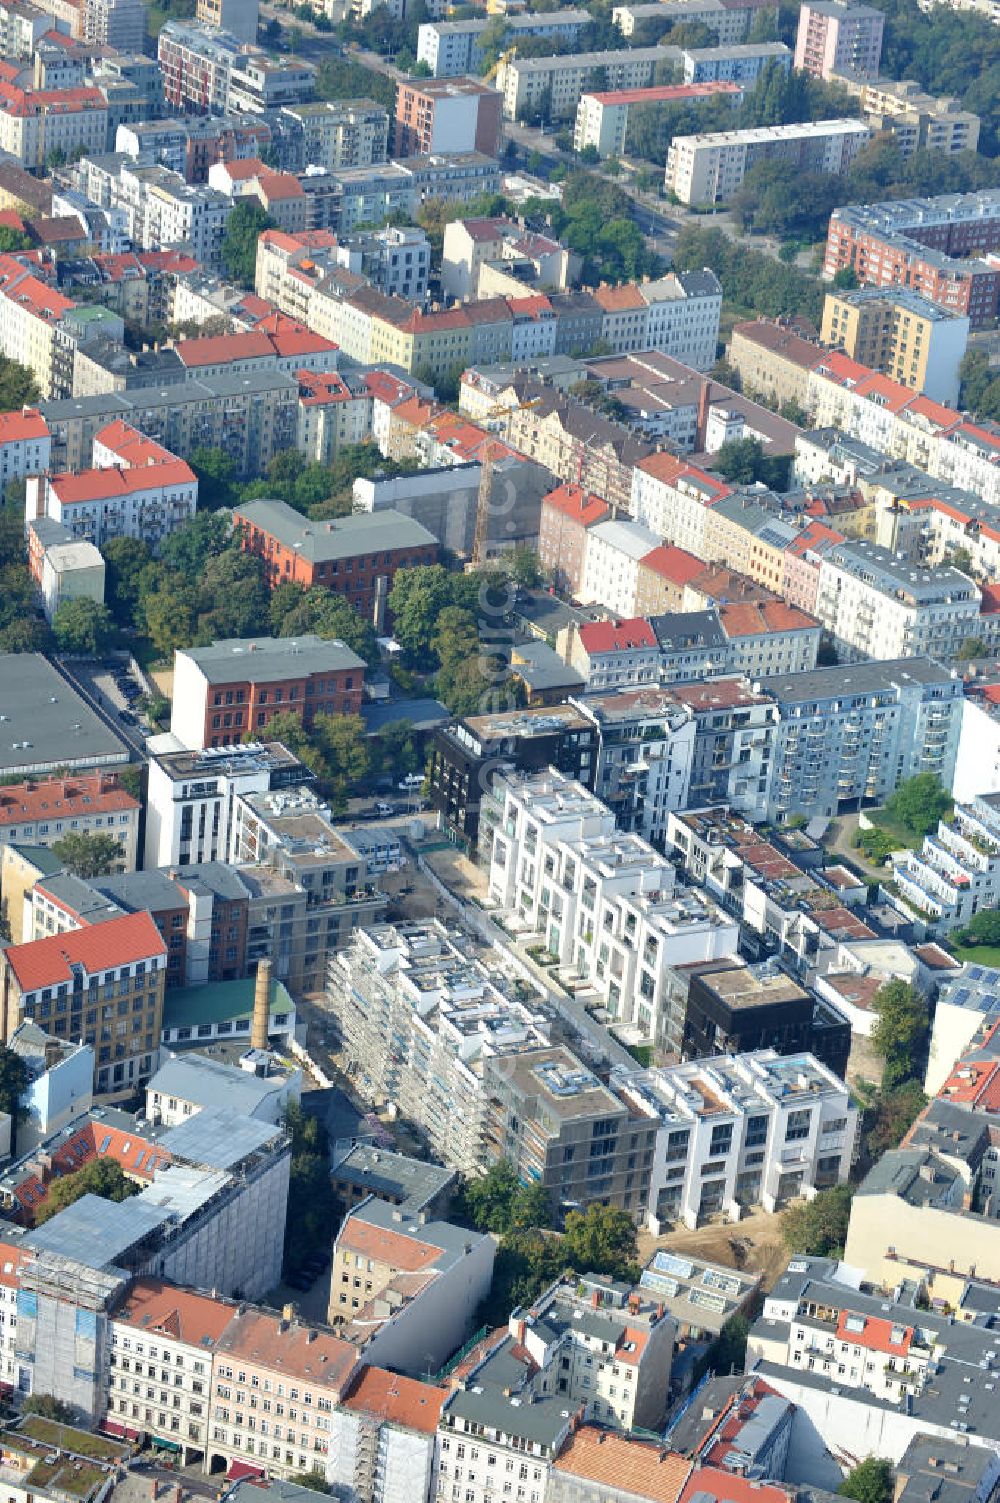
668,1262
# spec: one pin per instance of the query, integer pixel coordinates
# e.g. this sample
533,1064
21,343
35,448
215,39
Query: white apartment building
528,83
25,445
490,1441
136,489
420,1019
35,123
452,47
383,1438
161,1344
338,134
742,64
161,210
956,872
602,902
684,311
875,605
191,798
708,168
672,499
745,1130
614,551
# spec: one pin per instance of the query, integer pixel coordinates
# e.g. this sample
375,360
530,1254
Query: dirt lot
765,1254
460,875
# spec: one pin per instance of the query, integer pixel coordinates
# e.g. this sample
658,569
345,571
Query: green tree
216,474
82,626
983,928
394,752
103,1177
919,803
891,1117
846,279
343,746
168,617
871,1481
740,460
310,1223
294,612
49,1407
602,1239
497,1202
88,853
900,1031
315,1480
14,1081
238,250
818,1227
18,387
972,647
416,600
12,240
126,560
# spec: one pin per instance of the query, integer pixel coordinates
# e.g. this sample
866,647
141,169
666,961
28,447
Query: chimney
261,1005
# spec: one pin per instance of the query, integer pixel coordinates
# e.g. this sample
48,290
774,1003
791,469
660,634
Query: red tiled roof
616,636
397,1400
618,1462
402,1252
727,1487
96,485
662,93
16,427
619,299
673,563
101,947
760,618
91,793
195,1319
573,501
877,1334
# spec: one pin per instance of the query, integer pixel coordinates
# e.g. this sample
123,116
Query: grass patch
976,954
68,1438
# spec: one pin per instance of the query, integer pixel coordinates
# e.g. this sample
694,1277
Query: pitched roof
623,1464
616,636
406,1254
16,427
672,563
399,1400
118,941
761,617
573,501
195,1319
300,1351
91,793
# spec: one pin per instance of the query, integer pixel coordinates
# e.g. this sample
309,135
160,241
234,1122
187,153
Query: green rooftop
219,1002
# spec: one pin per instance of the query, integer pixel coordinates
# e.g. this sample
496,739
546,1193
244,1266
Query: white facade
956,872
602,902
385,1461
708,168
977,767
614,551
190,803
71,571
684,312
745,1130
875,606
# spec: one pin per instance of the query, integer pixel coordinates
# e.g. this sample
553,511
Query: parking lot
113,692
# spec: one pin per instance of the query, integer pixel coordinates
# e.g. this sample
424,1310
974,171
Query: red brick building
356,556
930,245
447,114
230,691
567,513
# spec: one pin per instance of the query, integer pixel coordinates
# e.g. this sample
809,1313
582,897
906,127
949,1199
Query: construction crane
505,57
501,410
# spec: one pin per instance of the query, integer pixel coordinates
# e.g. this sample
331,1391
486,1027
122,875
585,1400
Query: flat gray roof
341,537
267,659
99,1232
46,723
217,1137
412,1181
846,679
210,1083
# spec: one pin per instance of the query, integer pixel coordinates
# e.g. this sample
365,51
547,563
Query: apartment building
731,23
568,512
835,36
876,606
741,65
447,114
745,1130
452,47
598,1342
474,249
207,71
275,1385
708,169
883,1374
383,1437
191,796
31,313
602,118
484,1433
44,810
162,1340
354,556
917,121
422,1017
465,756
404,1287
335,134
237,17
25,445
529,83
602,902
849,735
611,565
137,489
956,872
36,122
231,689
561,1128
932,245
103,983
902,334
